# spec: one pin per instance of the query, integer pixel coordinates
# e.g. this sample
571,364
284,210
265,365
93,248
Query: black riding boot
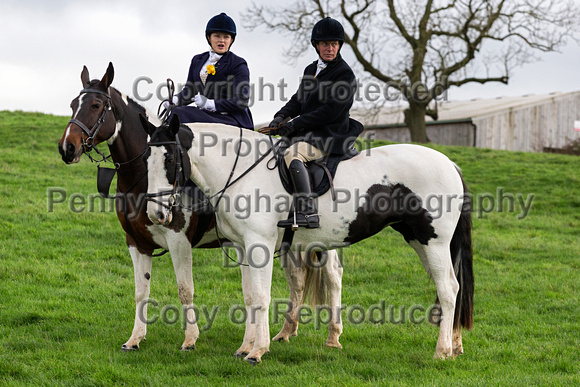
306,214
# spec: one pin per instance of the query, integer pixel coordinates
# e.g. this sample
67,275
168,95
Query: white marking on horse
67,132
157,177
118,127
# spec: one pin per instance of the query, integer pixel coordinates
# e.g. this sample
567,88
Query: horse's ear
147,126
174,124
108,77
85,77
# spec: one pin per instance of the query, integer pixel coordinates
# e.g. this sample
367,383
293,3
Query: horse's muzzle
69,155
160,217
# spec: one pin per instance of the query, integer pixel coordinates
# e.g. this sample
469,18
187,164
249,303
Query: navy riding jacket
229,87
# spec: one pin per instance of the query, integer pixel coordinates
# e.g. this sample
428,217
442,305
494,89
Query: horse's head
169,168
92,120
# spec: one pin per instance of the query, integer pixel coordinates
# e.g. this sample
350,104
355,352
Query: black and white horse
417,191
103,114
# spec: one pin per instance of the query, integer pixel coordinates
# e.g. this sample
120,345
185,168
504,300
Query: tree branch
399,24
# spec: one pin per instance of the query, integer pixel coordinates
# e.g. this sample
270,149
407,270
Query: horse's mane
151,117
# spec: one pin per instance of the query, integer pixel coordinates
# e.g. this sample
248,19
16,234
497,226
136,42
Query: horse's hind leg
436,259
332,273
457,342
142,270
182,265
296,277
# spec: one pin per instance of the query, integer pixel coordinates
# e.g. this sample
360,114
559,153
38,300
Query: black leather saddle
321,171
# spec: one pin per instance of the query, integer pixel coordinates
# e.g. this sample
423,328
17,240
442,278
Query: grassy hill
67,290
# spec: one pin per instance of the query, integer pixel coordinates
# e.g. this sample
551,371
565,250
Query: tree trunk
415,121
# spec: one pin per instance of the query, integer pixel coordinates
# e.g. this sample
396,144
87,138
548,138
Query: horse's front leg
181,256
260,261
250,333
142,270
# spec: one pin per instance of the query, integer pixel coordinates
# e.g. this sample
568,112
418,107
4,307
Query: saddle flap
321,171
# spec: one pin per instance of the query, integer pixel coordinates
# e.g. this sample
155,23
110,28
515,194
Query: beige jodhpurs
302,151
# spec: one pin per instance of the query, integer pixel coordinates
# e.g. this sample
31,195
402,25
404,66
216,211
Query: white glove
204,103
166,103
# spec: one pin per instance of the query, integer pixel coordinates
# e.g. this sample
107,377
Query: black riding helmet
327,29
221,23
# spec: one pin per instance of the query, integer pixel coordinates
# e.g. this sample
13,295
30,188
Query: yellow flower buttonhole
210,70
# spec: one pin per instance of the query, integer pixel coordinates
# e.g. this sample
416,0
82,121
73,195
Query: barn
529,123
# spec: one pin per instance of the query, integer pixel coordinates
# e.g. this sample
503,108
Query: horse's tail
315,286
462,259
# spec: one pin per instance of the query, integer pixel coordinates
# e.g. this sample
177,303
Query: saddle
321,171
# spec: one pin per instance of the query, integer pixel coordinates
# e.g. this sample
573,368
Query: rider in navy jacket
218,81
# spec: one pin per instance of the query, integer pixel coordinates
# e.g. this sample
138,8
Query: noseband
88,144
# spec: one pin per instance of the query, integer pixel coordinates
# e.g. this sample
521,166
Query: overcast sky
44,45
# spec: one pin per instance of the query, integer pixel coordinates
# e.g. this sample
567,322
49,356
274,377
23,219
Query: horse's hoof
240,355
129,349
188,348
281,339
253,360
333,345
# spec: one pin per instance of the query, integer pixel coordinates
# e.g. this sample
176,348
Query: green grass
66,288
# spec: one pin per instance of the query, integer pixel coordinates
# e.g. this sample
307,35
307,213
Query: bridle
105,175
105,178
175,192
88,143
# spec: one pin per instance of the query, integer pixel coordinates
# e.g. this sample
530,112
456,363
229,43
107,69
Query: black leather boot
306,214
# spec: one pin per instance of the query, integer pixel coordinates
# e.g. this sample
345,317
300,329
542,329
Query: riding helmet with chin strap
221,23
327,29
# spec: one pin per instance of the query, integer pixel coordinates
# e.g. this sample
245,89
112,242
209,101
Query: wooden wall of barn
527,128
461,134
531,128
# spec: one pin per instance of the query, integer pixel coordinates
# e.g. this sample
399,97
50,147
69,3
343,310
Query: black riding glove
286,130
276,122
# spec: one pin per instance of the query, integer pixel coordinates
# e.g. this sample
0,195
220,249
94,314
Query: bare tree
422,47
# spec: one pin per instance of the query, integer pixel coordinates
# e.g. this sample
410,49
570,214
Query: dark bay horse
103,114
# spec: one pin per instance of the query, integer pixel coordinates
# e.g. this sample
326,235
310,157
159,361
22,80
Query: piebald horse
393,185
103,114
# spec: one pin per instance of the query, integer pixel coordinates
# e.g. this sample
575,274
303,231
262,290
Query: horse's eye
95,106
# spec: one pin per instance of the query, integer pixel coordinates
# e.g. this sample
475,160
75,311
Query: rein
164,115
175,192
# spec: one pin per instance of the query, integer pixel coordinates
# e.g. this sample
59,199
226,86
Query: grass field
67,290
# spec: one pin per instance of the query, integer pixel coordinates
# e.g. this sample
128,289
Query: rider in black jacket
320,110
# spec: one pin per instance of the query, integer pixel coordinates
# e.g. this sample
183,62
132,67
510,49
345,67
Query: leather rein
175,193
